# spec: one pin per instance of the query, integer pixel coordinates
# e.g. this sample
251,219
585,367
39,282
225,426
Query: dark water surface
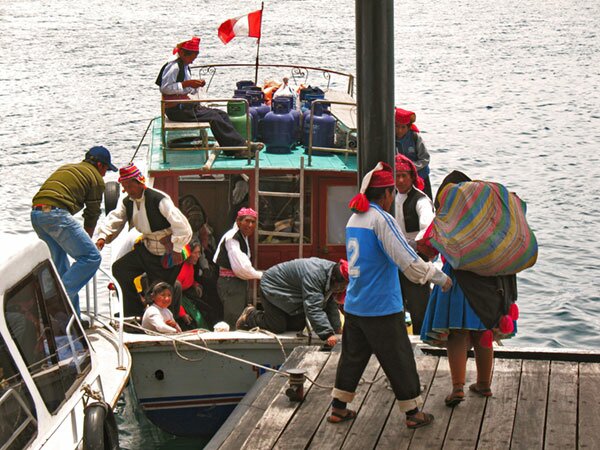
504,90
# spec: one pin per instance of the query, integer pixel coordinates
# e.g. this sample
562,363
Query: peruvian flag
248,25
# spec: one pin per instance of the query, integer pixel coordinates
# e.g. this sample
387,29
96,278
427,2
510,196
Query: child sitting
157,316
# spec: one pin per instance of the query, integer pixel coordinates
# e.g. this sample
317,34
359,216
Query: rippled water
504,90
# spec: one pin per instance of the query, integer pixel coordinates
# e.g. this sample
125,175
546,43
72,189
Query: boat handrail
94,313
346,150
30,419
209,70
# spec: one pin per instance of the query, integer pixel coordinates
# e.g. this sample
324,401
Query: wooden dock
537,404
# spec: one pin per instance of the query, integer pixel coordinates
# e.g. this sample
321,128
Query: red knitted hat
381,176
243,212
130,171
193,45
404,117
404,164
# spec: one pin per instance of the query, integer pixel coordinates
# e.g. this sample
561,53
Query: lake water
503,90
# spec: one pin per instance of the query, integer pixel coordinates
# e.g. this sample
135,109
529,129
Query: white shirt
424,211
155,319
180,230
241,264
170,85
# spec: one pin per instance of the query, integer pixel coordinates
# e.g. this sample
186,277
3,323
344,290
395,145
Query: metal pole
375,82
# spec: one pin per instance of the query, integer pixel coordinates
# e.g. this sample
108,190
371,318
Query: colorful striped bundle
481,227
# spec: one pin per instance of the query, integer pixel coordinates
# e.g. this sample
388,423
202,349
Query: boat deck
537,404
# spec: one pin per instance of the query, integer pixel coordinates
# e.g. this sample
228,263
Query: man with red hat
410,144
235,265
295,291
176,83
374,316
414,213
164,230
64,193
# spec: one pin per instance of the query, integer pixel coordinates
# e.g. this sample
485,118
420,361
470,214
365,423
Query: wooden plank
373,414
246,423
589,406
274,420
463,430
395,434
561,418
433,435
500,409
530,416
332,436
315,406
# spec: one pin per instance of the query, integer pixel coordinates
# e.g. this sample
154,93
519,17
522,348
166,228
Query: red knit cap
129,172
381,176
404,117
404,164
247,212
344,268
193,45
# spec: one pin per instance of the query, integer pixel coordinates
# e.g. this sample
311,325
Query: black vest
409,209
180,75
223,258
151,200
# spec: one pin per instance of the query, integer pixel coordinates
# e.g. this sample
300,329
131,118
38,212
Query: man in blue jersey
374,318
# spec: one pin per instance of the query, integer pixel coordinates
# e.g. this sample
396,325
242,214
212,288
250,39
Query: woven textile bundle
481,227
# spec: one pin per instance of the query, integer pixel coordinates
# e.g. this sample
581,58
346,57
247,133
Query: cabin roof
193,160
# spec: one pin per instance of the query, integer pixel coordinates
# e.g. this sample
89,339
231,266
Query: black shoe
85,324
242,322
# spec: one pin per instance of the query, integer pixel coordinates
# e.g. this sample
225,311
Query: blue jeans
65,236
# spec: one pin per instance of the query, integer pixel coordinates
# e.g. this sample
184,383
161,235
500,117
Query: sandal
337,417
413,422
483,392
457,396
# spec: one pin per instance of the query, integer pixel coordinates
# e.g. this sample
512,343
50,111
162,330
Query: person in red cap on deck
414,213
374,316
175,82
63,194
299,290
235,266
410,144
164,229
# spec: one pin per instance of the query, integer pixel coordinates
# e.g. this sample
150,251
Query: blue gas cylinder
244,84
295,114
258,110
277,128
308,94
323,129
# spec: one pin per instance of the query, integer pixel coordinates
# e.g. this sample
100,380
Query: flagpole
262,7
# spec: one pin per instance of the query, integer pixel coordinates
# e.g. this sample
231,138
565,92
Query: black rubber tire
100,428
112,191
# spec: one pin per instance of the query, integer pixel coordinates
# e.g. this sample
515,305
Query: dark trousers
233,293
134,264
275,319
220,124
386,337
416,297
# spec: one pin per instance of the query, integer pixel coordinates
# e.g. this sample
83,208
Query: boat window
47,335
338,212
282,214
18,424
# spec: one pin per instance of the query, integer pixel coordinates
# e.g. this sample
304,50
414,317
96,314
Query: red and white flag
248,25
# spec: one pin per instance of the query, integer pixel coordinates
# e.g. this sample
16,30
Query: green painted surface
186,160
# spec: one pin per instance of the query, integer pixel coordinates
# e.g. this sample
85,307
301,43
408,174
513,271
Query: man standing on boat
176,83
61,196
165,232
235,266
414,213
374,319
297,290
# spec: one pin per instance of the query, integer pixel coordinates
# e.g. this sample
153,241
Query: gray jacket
304,286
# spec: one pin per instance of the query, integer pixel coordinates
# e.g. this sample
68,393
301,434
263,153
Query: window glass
338,212
282,214
47,335
18,426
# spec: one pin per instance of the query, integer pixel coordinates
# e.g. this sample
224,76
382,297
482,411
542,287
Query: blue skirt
450,311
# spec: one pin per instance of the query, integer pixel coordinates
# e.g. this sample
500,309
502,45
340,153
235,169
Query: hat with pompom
381,176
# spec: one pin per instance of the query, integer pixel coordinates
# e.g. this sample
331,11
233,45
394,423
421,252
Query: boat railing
94,314
299,73
349,132
12,392
200,126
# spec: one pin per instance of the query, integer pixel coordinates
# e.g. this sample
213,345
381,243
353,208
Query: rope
141,140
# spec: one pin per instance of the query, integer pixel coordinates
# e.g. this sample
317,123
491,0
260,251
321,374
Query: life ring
112,191
100,427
